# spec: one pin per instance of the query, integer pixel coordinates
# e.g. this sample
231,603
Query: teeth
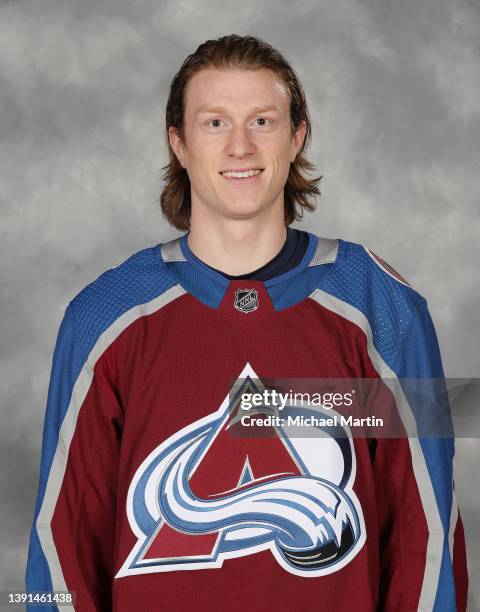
241,174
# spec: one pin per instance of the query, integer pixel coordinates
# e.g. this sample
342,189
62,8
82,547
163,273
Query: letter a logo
204,495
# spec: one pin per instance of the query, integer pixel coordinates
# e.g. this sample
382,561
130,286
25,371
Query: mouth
246,176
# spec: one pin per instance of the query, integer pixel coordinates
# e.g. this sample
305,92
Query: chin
244,210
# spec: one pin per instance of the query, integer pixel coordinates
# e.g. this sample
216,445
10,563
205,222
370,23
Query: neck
236,246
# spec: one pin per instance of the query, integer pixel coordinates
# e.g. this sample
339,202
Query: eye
212,120
263,119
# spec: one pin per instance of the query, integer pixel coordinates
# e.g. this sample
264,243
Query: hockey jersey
146,500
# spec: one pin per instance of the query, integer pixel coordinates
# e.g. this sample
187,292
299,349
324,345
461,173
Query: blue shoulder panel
386,303
419,358
139,279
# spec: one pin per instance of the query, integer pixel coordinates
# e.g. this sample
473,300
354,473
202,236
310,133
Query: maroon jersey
158,491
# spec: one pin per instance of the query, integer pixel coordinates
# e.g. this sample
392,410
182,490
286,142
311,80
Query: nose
240,142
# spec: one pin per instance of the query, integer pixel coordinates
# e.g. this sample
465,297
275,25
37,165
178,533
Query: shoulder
365,271
370,292
131,284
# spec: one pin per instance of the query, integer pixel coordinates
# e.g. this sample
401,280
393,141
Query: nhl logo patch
246,300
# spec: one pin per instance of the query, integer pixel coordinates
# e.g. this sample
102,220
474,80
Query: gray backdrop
394,96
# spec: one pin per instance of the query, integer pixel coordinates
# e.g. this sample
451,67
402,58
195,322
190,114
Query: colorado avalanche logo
204,496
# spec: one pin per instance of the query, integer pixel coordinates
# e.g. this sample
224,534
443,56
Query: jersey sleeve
72,535
422,547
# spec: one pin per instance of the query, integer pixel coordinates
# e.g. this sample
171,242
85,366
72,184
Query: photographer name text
249,420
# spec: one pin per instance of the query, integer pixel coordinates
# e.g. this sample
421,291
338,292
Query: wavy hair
247,53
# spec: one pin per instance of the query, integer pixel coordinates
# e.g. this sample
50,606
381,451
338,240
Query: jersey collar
283,290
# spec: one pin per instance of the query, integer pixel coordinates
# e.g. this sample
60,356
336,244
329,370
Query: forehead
234,89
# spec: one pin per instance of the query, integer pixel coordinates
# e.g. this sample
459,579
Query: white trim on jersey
453,523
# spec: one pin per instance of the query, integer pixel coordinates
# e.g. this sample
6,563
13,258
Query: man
147,498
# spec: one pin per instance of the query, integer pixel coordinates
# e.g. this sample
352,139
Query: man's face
237,120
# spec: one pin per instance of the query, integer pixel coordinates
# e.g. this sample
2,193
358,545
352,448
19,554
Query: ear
176,143
297,139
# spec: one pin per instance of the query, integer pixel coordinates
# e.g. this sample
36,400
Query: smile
242,176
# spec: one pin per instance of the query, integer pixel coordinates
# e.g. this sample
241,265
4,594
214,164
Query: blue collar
287,289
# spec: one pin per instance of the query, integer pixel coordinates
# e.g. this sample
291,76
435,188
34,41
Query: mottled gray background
394,95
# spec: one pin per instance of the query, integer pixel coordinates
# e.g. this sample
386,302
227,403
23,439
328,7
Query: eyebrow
206,108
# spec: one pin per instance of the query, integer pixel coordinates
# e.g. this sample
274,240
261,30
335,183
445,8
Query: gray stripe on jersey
434,554
326,252
79,392
172,251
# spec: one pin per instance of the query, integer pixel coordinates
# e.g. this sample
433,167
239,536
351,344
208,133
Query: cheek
280,166
277,153
202,168
207,163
